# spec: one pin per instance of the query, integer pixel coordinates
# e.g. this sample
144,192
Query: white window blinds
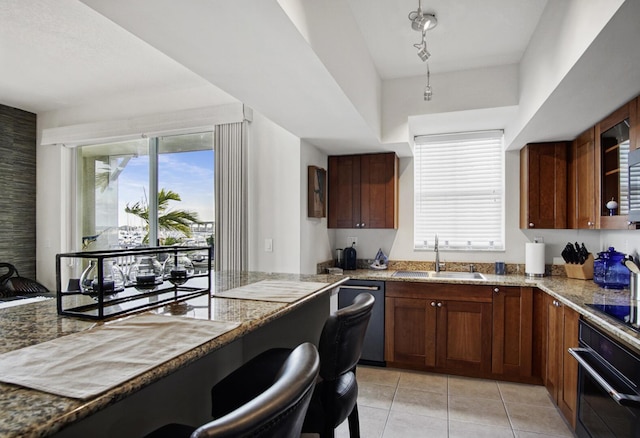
459,191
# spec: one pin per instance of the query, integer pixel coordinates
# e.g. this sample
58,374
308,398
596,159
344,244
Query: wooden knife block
581,272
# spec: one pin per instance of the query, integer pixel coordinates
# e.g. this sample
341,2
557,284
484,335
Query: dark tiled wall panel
18,190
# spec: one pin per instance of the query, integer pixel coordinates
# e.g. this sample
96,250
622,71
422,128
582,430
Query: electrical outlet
352,241
268,245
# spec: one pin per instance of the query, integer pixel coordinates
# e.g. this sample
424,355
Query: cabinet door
612,138
583,194
378,188
410,325
543,185
344,191
512,347
554,347
568,391
464,336
562,369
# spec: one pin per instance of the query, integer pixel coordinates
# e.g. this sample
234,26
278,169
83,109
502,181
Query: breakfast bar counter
28,412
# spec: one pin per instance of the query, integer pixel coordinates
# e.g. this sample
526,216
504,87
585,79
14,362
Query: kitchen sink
441,274
411,274
460,275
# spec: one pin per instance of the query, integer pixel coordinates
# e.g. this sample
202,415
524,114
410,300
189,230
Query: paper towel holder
534,258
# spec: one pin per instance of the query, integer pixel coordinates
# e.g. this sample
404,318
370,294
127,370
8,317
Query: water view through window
116,196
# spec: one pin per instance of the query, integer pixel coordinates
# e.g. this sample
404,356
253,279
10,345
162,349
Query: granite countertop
25,412
39,322
571,292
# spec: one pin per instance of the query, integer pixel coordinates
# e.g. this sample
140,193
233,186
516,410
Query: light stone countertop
30,413
39,322
571,292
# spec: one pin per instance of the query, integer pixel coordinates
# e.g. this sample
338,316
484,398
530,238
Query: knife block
581,272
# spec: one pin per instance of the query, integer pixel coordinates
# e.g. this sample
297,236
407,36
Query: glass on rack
146,273
178,268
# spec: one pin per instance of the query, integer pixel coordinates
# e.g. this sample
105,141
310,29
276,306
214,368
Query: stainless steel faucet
435,248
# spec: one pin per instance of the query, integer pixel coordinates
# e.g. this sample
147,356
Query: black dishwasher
373,348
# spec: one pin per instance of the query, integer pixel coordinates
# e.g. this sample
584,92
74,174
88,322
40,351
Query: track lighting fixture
422,22
423,53
428,92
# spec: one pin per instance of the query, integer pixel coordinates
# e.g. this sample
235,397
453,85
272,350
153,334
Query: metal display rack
104,301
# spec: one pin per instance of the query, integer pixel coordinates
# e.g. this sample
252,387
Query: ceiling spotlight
420,21
423,53
428,92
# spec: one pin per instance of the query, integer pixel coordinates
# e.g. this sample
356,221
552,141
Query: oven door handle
621,399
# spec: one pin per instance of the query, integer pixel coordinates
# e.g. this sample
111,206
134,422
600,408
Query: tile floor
404,404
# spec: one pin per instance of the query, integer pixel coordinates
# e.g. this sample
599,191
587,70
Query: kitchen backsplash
485,268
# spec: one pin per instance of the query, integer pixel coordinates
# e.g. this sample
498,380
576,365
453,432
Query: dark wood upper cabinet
582,194
612,138
363,191
543,185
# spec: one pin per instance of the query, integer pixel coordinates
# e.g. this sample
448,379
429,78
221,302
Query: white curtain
231,246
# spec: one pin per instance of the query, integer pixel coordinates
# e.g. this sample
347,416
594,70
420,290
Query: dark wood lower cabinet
512,343
438,327
509,333
561,377
463,342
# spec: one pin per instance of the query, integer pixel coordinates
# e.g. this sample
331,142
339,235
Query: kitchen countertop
571,292
39,322
26,412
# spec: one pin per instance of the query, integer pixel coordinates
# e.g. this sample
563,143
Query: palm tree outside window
168,179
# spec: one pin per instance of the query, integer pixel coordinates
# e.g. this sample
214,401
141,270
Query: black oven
608,392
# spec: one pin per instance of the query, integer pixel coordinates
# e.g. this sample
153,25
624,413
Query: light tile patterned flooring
397,403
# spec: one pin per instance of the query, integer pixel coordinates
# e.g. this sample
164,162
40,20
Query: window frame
426,226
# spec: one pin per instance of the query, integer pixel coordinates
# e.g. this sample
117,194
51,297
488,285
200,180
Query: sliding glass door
147,192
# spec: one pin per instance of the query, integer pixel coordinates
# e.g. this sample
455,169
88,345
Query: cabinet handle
362,225
531,225
590,224
496,290
439,304
433,304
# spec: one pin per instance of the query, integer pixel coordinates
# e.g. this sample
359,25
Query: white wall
490,87
342,50
566,30
316,240
53,209
274,197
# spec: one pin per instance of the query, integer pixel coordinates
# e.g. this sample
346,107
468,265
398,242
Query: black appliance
373,348
350,259
608,387
624,313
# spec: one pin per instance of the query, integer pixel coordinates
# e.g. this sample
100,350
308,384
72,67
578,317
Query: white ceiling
469,34
57,54
64,54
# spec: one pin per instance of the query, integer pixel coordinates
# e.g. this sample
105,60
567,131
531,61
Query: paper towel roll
534,259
